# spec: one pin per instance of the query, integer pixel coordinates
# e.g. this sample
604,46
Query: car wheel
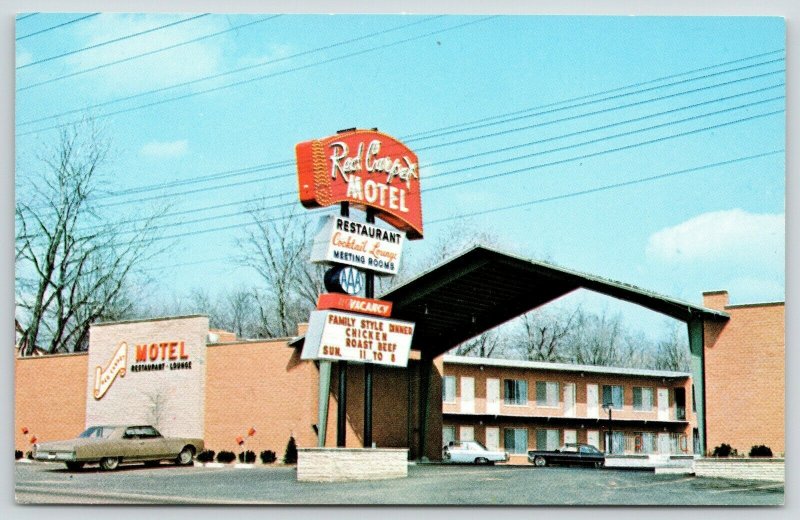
109,463
599,464
74,466
185,456
481,460
539,461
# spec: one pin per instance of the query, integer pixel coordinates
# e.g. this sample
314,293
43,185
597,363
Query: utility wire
266,76
443,174
228,72
109,42
26,16
462,182
606,187
554,198
419,135
148,53
262,167
56,26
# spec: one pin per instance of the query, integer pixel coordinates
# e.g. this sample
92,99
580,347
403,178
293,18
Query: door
663,404
467,395
592,398
569,400
493,438
448,434
466,433
493,396
593,438
663,443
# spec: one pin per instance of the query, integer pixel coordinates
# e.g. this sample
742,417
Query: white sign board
366,246
357,337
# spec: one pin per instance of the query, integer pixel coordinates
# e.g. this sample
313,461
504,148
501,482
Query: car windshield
97,432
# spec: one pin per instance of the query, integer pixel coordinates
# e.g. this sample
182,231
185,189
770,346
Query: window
449,389
547,439
612,394
516,440
546,393
642,399
448,434
516,391
644,442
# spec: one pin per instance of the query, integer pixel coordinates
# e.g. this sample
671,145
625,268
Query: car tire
185,456
109,463
74,466
481,460
599,464
539,461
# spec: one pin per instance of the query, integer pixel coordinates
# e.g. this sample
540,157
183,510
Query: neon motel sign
367,169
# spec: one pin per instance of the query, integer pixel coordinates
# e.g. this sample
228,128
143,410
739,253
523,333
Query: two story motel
188,380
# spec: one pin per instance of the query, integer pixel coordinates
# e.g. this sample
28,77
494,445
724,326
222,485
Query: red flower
33,439
251,432
239,440
24,431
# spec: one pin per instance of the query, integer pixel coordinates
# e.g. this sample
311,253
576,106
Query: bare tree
278,249
673,352
545,335
598,341
72,269
487,344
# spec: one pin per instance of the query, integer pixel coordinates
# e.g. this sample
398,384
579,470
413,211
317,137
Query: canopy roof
483,288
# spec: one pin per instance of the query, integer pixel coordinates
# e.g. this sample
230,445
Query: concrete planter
771,470
346,464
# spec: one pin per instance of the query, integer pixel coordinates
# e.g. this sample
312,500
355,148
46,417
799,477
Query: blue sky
560,105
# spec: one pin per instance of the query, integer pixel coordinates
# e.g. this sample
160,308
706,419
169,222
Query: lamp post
610,444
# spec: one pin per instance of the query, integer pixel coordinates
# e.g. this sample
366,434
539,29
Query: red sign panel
345,302
365,168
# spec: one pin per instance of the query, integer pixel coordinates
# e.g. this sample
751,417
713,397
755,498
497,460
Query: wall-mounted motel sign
366,246
358,338
364,168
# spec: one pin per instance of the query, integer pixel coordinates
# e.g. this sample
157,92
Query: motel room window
644,442
516,440
448,434
516,391
642,399
547,439
612,394
449,389
546,393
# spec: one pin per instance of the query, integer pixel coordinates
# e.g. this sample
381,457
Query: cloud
183,63
731,236
165,149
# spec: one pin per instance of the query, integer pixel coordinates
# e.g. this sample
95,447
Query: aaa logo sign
365,168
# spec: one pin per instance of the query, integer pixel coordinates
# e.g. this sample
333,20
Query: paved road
39,483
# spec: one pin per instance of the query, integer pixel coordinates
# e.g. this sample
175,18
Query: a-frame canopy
483,288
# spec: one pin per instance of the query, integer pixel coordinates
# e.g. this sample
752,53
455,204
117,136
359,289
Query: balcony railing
652,444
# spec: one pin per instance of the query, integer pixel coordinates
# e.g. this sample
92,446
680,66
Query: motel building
188,380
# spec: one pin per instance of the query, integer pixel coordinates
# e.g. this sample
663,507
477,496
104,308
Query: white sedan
470,452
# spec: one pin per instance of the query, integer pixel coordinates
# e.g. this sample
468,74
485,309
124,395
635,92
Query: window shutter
637,398
541,393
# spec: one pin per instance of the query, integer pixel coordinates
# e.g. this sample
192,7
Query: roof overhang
483,288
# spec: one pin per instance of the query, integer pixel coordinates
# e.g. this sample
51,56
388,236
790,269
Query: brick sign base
348,464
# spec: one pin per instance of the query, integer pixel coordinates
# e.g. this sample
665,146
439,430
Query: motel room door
663,404
493,396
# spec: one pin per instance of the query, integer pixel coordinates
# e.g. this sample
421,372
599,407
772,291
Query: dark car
569,454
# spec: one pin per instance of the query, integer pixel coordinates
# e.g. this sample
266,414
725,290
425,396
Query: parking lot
39,483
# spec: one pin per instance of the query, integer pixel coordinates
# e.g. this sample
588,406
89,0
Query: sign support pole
341,411
369,292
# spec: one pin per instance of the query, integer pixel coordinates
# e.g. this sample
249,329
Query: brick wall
745,376
49,398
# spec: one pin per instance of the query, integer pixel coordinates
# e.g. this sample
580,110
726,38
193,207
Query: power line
562,196
108,42
266,76
409,137
443,174
607,187
56,26
604,138
602,152
262,167
481,126
149,53
26,16
229,72
238,172
503,174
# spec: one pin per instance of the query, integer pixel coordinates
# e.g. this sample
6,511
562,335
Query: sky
648,150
